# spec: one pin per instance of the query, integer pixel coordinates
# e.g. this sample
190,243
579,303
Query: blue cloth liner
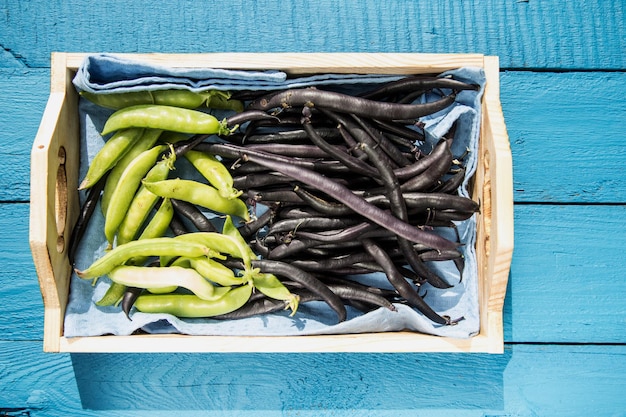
107,74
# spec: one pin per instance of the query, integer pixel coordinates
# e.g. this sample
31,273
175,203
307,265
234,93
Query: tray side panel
498,205
54,201
307,63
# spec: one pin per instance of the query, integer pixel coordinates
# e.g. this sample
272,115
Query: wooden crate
55,207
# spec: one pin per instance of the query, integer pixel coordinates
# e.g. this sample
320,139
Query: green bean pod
272,287
169,137
156,227
168,279
179,98
110,153
148,139
214,271
214,171
165,118
127,186
190,306
229,229
221,100
160,221
201,194
160,246
143,201
220,243
112,296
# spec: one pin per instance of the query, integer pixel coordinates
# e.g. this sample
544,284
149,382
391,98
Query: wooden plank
24,96
566,132
567,275
21,309
543,126
525,34
528,100
299,63
560,290
553,380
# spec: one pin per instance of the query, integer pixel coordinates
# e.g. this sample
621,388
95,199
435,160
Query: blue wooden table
562,91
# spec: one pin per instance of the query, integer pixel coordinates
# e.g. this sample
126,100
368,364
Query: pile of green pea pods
131,176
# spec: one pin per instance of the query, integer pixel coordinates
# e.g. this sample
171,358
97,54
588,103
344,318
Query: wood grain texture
543,127
560,290
525,34
524,381
567,275
565,281
567,137
24,96
21,306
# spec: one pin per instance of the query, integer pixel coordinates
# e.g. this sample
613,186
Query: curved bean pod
272,287
200,194
420,83
356,203
188,305
111,152
307,280
86,212
143,202
174,97
160,246
127,186
400,283
156,116
214,271
219,243
346,103
163,278
214,171
148,139
194,215
158,224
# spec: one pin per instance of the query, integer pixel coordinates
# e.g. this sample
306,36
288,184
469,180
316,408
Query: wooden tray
54,207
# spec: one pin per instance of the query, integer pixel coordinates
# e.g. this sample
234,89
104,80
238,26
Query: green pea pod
156,227
164,118
229,229
157,278
200,194
160,221
222,100
127,186
168,137
179,98
188,305
214,271
272,287
113,295
160,246
214,171
219,243
143,201
117,101
112,151
148,139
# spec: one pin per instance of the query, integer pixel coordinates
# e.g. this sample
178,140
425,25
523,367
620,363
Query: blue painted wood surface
562,90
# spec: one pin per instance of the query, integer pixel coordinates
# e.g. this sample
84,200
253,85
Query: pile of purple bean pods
346,190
